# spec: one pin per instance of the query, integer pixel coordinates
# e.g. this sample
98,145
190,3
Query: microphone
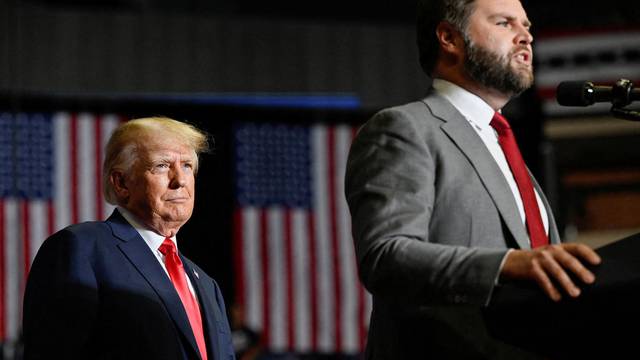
585,93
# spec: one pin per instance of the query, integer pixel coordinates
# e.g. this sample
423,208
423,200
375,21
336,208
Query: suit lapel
467,140
208,309
139,254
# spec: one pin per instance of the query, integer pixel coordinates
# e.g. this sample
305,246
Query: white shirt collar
471,106
153,239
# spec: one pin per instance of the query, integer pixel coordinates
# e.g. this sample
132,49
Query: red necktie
179,280
509,146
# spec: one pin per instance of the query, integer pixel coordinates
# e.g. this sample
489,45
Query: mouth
177,199
523,57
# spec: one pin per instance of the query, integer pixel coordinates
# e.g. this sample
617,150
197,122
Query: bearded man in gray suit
438,216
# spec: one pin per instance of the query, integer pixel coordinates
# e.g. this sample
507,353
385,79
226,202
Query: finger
584,252
571,263
544,282
556,272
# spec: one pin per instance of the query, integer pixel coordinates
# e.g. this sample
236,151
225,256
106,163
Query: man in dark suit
443,208
118,289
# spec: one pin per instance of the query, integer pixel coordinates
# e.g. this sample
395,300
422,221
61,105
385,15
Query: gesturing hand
550,263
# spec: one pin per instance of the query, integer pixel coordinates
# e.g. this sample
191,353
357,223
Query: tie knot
167,247
499,122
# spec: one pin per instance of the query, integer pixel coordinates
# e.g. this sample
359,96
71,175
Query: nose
524,36
178,178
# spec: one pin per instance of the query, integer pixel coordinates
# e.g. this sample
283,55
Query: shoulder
75,240
408,117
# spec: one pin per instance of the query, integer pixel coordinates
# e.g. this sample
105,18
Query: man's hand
550,263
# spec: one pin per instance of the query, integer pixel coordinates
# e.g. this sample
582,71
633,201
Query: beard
494,71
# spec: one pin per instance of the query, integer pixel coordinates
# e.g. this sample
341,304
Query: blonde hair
120,152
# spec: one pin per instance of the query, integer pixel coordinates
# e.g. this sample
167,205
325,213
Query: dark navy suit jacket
96,291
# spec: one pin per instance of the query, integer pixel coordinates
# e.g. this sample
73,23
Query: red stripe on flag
313,282
335,246
3,272
288,243
98,167
73,168
26,240
266,296
238,247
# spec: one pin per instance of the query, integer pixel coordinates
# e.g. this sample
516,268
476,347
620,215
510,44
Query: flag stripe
335,245
277,277
3,269
239,261
73,156
313,281
13,268
39,225
86,156
62,170
323,242
253,267
108,124
301,287
26,243
288,251
266,279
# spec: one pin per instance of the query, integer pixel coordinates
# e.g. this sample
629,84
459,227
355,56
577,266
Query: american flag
296,275
50,178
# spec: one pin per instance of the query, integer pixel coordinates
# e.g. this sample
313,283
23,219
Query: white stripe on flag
350,286
13,268
300,231
277,276
86,153
38,225
62,186
252,265
324,270
109,123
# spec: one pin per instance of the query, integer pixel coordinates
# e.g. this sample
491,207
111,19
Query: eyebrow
525,22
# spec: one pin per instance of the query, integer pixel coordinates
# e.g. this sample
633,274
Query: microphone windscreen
574,93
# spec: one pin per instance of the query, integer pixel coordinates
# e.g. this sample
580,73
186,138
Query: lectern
603,322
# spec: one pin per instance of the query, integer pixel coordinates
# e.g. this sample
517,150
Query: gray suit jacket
433,217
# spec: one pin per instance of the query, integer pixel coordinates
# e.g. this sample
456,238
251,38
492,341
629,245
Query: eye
160,167
188,166
504,23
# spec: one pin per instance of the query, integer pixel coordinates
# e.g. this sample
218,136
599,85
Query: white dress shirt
479,114
153,240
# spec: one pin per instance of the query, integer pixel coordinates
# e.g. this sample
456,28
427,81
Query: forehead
490,8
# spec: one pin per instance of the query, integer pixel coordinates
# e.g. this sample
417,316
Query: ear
450,39
118,182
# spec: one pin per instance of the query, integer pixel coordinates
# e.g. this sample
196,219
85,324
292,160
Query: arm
61,299
391,187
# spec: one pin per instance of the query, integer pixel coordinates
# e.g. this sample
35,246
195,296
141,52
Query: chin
178,215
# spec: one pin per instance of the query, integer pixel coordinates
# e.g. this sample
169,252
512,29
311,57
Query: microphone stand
622,91
625,114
